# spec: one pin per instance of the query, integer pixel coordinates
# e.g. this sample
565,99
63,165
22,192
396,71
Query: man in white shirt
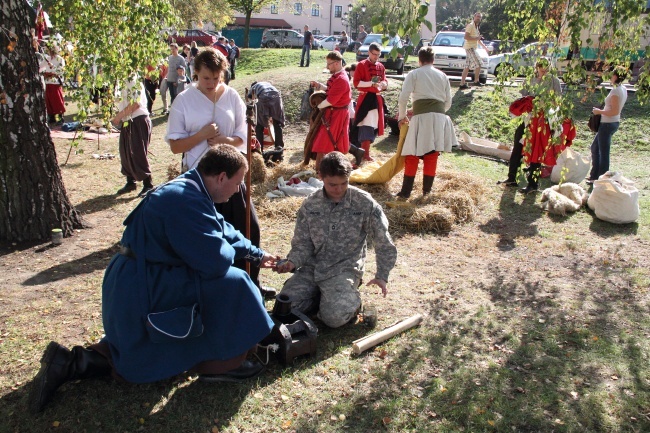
472,40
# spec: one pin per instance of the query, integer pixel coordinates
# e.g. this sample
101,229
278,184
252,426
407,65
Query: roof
273,23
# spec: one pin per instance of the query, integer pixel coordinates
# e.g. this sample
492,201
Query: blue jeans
600,149
305,49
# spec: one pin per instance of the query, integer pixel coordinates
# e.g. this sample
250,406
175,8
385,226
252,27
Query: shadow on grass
84,265
180,404
103,202
525,363
514,220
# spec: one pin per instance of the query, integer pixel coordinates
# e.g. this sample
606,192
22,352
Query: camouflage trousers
337,298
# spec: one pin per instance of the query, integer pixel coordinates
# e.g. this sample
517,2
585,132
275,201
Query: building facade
326,17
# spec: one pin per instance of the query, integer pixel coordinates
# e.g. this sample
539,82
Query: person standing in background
175,60
151,82
162,69
53,73
135,136
306,47
370,81
472,40
232,58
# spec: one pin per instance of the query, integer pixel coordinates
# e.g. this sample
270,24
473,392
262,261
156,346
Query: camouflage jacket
331,237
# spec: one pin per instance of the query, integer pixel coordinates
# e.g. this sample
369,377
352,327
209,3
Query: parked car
182,37
396,64
423,42
525,56
330,42
282,38
450,55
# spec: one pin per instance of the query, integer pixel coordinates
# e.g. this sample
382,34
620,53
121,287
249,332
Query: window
338,11
274,8
315,10
297,9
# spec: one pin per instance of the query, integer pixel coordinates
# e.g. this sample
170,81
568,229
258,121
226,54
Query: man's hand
284,266
269,261
380,283
404,121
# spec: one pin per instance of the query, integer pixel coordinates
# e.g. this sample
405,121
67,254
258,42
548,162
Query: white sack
570,167
614,199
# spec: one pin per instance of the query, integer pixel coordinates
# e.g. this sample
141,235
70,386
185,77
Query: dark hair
351,67
222,159
211,59
426,55
374,47
335,164
621,74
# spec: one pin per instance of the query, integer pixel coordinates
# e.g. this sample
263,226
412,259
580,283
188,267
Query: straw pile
455,199
173,170
279,209
258,170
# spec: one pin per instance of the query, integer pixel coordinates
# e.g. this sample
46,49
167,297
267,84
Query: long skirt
54,103
134,143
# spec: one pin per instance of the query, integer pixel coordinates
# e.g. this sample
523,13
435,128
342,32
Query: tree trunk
247,28
33,200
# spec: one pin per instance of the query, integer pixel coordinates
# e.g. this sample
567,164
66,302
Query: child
182,79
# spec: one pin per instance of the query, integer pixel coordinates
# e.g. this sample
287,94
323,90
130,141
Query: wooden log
365,343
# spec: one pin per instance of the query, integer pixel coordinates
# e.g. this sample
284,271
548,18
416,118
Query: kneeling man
329,245
172,300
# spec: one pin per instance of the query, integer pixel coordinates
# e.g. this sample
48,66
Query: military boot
147,185
60,365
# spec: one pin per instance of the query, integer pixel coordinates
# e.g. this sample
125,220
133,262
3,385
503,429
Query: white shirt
425,82
192,110
621,92
133,92
55,66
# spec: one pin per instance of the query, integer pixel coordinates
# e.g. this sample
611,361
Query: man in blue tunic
172,299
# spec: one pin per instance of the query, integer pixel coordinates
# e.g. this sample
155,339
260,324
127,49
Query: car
283,38
202,39
525,56
395,64
450,55
330,42
423,42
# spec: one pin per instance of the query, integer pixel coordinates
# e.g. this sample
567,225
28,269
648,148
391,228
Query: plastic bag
614,199
570,167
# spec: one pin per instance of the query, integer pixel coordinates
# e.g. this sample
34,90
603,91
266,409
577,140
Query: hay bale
283,210
258,168
429,218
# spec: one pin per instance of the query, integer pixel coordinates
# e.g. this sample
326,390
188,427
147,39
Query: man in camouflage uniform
328,249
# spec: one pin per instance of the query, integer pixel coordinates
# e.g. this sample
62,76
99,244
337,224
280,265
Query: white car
525,56
450,55
329,43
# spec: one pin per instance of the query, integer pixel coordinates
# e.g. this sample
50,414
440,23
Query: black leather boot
147,185
358,153
128,187
60,365
427,184
407,187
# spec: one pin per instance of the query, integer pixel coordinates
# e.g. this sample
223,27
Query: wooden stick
251,119
365,343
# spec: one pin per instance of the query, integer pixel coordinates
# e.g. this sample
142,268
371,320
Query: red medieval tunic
363,75
337,116
541,147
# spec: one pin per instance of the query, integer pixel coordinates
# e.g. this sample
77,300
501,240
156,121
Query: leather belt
127,252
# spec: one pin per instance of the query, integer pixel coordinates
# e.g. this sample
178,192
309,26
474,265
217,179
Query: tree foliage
614,31
107,42
193,13
247,7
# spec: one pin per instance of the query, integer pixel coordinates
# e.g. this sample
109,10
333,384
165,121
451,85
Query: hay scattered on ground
173,170
456,198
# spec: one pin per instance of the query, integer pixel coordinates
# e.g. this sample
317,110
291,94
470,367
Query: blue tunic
186,245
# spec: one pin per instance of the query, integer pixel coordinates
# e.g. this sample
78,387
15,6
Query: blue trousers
305,49
600,149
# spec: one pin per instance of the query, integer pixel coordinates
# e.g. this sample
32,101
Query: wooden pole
251,119
365,343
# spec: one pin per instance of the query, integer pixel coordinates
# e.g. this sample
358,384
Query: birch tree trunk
33,199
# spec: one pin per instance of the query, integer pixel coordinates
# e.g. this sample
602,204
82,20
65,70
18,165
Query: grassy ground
532,323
